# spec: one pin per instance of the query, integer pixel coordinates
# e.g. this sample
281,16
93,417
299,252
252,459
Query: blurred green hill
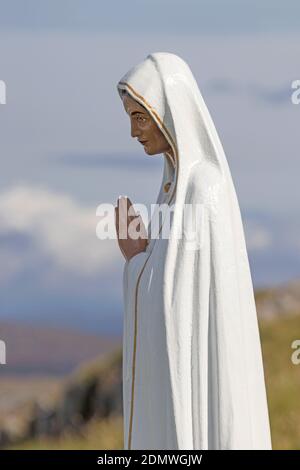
282,380
86,410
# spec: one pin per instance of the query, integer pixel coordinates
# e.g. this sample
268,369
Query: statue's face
144,128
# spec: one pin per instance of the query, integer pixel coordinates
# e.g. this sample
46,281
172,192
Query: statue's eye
141,118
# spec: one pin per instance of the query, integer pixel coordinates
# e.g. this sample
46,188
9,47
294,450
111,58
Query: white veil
213,343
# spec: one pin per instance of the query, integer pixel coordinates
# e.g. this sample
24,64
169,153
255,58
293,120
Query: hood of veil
164,84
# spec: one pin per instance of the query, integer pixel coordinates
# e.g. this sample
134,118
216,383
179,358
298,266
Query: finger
130,210
122,208
123,222
117,220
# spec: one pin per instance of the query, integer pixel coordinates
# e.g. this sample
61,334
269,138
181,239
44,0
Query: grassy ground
283,390
282,380
97,435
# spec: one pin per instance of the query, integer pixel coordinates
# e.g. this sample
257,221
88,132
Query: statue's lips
143,141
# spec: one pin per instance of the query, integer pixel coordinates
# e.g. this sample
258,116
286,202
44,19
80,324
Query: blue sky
66,147
168,16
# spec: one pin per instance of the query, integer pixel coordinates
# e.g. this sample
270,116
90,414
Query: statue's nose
135,132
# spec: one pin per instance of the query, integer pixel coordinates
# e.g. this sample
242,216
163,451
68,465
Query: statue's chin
148,150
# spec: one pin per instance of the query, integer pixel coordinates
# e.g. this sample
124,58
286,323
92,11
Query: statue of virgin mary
193,375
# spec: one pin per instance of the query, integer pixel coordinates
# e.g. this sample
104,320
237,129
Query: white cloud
258,237
59,227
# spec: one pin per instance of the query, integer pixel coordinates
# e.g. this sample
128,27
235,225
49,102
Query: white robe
193,374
